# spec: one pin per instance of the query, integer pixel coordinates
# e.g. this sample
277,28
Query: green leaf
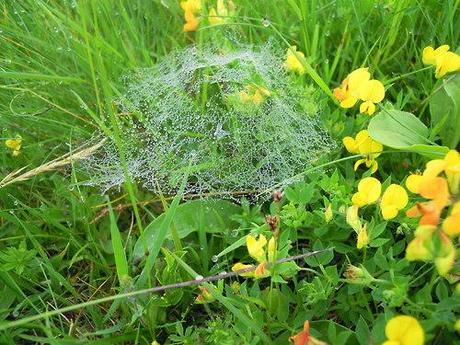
403,131
212,215
118,250
362,331
445,106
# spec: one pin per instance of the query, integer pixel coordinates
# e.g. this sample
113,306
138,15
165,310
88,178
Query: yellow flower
363,238
421,247
430,56
372,93
394,199
363,144
256,247
445,258
254,94
190,7
369,189
353,218
404,330
351,88
240,266
444,60
328,214
14,145
358,85
452,170
293,60
451,225
218,16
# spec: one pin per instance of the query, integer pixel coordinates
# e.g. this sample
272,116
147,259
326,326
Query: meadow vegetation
229,172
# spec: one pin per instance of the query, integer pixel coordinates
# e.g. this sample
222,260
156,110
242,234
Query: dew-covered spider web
231,120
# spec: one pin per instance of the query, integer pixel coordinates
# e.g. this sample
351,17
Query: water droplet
215,258
326,61
199,277
234,233
265,22
223,273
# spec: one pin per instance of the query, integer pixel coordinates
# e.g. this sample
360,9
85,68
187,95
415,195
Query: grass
61,68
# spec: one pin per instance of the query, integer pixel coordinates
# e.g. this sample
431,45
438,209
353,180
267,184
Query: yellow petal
413,182
445,260
434,167
447,63
373,91
239,266
451,225
328,214
406,330
393,199
363,238
431,56
353,218
358,163
350,144
358,78
348,102
367,107
371,188
256,247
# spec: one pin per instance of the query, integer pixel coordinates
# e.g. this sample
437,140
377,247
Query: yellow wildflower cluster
216,15
392,201
358,85
404,330
293,61
364,145
444,60
262,251
15,145
433,243
254,94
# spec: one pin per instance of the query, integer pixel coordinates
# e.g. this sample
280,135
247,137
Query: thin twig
6,325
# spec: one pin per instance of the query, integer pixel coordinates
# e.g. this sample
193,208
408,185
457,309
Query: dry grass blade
79,153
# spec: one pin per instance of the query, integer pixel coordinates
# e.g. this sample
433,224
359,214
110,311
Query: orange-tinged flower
351,88
394,199
451,225
444,60
304,337
369,189
190,7
372,93
293,61
436,190
261,271
404,330
428,211
363,144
